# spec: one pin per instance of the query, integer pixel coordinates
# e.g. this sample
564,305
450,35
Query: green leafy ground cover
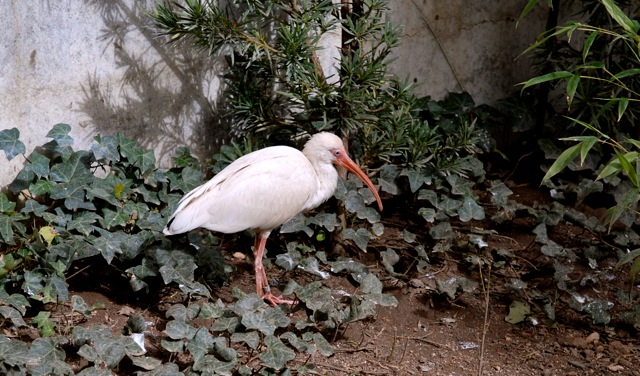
105,208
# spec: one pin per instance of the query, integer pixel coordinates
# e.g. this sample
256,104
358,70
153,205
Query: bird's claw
277,300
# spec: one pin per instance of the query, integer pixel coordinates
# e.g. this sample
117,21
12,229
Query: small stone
625,362
617,347
417,283
615,367
593,337
239,255
576,342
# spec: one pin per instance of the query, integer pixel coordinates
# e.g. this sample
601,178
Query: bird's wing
260,190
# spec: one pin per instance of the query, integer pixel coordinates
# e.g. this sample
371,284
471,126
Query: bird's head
328,147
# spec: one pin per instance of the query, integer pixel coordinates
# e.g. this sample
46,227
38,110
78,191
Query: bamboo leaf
622,107
627,167
563,161
586,146
546,78
588,43
618,15
572,86
526,10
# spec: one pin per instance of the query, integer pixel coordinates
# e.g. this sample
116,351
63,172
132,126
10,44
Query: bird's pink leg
262,283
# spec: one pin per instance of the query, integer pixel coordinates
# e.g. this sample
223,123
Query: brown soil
428,333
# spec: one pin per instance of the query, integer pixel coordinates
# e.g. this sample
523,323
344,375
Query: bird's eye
336,153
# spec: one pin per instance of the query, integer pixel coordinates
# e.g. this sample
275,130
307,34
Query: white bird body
264,189
256,191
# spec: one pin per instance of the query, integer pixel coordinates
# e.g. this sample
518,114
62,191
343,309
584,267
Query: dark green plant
596,63
107,206
277,90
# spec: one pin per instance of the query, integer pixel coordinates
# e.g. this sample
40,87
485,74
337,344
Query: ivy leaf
416,178
38,164
361,237
459,185
518,312
429,195
368,213
105,147
226,324
201,344
14,352
182,313
251,339
45,326
429,214
176,266
172,346
83,222
470,210
57,290
73,195
41,187
296,224
110,351
47,233
326,220
33,283
146,160
33,206
149,363
75,169
266,320
389,259
78,305
45,350
449,205
114,218
500,193
442,231
277,353
321,343
13,315
127,147
17,301
108,244
188,179
6,206
166,369
60,133
177,329
448,287
370,284
210,365
211,310
10,143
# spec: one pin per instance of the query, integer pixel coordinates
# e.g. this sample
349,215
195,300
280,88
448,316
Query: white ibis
264,189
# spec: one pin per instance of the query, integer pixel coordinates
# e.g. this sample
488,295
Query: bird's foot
277,300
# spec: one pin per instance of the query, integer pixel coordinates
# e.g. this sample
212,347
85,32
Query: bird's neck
327,181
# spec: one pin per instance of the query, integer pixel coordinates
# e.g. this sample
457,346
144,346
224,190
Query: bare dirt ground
427,334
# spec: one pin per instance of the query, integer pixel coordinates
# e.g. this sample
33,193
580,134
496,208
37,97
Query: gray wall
98,66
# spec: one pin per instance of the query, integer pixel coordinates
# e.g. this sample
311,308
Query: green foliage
109,205
597,65
599,76
277,90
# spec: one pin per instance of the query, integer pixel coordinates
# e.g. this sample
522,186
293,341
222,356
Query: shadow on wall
168,95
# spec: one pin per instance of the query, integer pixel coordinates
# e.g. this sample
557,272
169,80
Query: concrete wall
98,66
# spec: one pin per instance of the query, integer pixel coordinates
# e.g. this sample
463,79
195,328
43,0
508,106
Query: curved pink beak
346,162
